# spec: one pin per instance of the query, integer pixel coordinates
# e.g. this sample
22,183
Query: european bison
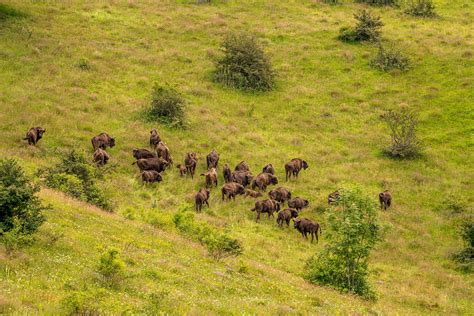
34,134
190,161
269,169
157,164
162,151
242,166
263,180
385,199
298,203
286,215
242,177
182,170
211,177
151,176
227,173
252,193
201,198
294,167
280,194
266,206
103,140
142,153
334,197
101,157
306,226
155,139
212,159
231,189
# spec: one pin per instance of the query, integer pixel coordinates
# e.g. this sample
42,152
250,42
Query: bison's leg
207,203
312,236
258,216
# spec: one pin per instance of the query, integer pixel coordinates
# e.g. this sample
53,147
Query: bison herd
241,181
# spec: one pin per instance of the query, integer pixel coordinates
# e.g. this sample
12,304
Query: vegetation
367,28
402,125
389,59
167,106
421,8
111,267
379,2
466,257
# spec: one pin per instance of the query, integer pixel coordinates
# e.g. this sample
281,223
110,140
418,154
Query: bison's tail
25,138
320,231
134,163
202,174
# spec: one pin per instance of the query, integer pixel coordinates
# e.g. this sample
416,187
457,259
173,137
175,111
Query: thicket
389,59
367,28
167,106
111,267
465,257
421,8
404,142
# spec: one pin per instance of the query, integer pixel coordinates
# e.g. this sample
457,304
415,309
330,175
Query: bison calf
34,134
269,169
231,189
155,139
294,167
266,206
151,176
211,177
306,226
182,170
226,173
263,180
103,140
201,198
252,193
298,203
242,166
101,157
212,159
190,161
286,215
385,199
280,194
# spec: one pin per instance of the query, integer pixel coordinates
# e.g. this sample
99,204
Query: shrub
111,267
402,125
244,64
75,176
421,8
367,28
379,2
352,234
20,208
84,64
466,257
387,60
167,106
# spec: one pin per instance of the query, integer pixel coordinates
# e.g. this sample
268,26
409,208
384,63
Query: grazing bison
227,173
298,203
157,164
252,193
266,206
306,226
103,140
280,194
201,198
101,157
155,139
34,134
242,177
211,177
334,197
294,167
242,166
162,151
212,159
263,180
190,161
151,176
182,170
269,169
385,199
231,189
142,153
286,215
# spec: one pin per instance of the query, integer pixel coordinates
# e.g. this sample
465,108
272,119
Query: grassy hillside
326,108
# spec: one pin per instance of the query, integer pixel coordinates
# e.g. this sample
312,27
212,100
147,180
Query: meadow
326,108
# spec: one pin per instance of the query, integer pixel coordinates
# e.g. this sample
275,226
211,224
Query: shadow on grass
8,12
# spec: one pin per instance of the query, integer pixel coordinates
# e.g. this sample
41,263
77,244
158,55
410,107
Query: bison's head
305,203
273,180
297,222
294,213
112,142
305,165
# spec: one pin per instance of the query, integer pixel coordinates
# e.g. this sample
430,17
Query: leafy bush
466,257
218,244
402,125
111,267
379,2
421,8
455,203
244,64
387,60
20,208
352,234
367,28
84,64
332,1
76,177
167,106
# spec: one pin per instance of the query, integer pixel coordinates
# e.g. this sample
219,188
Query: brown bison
101,157
201,198
157,164
269,169
252,193
155,139
212,159
227,173
306,226
231,189
190,161
266,206
286,215
263,180
150,176
298,203
294,167
34,134
162,151
334,197
182,170
242,177
142,153
280,194
242,166
103,140
385,199
211,177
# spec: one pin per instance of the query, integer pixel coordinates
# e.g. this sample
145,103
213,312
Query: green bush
244,64
111,267
421,8
352,234
379,2
367,28
167,106
75,176
402,125
387,60
20,208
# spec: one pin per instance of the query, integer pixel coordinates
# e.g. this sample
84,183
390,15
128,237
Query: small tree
167,106
367,28
352,234
111,267
421,8
244,64
402,125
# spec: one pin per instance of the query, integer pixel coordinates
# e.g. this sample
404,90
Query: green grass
325,109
